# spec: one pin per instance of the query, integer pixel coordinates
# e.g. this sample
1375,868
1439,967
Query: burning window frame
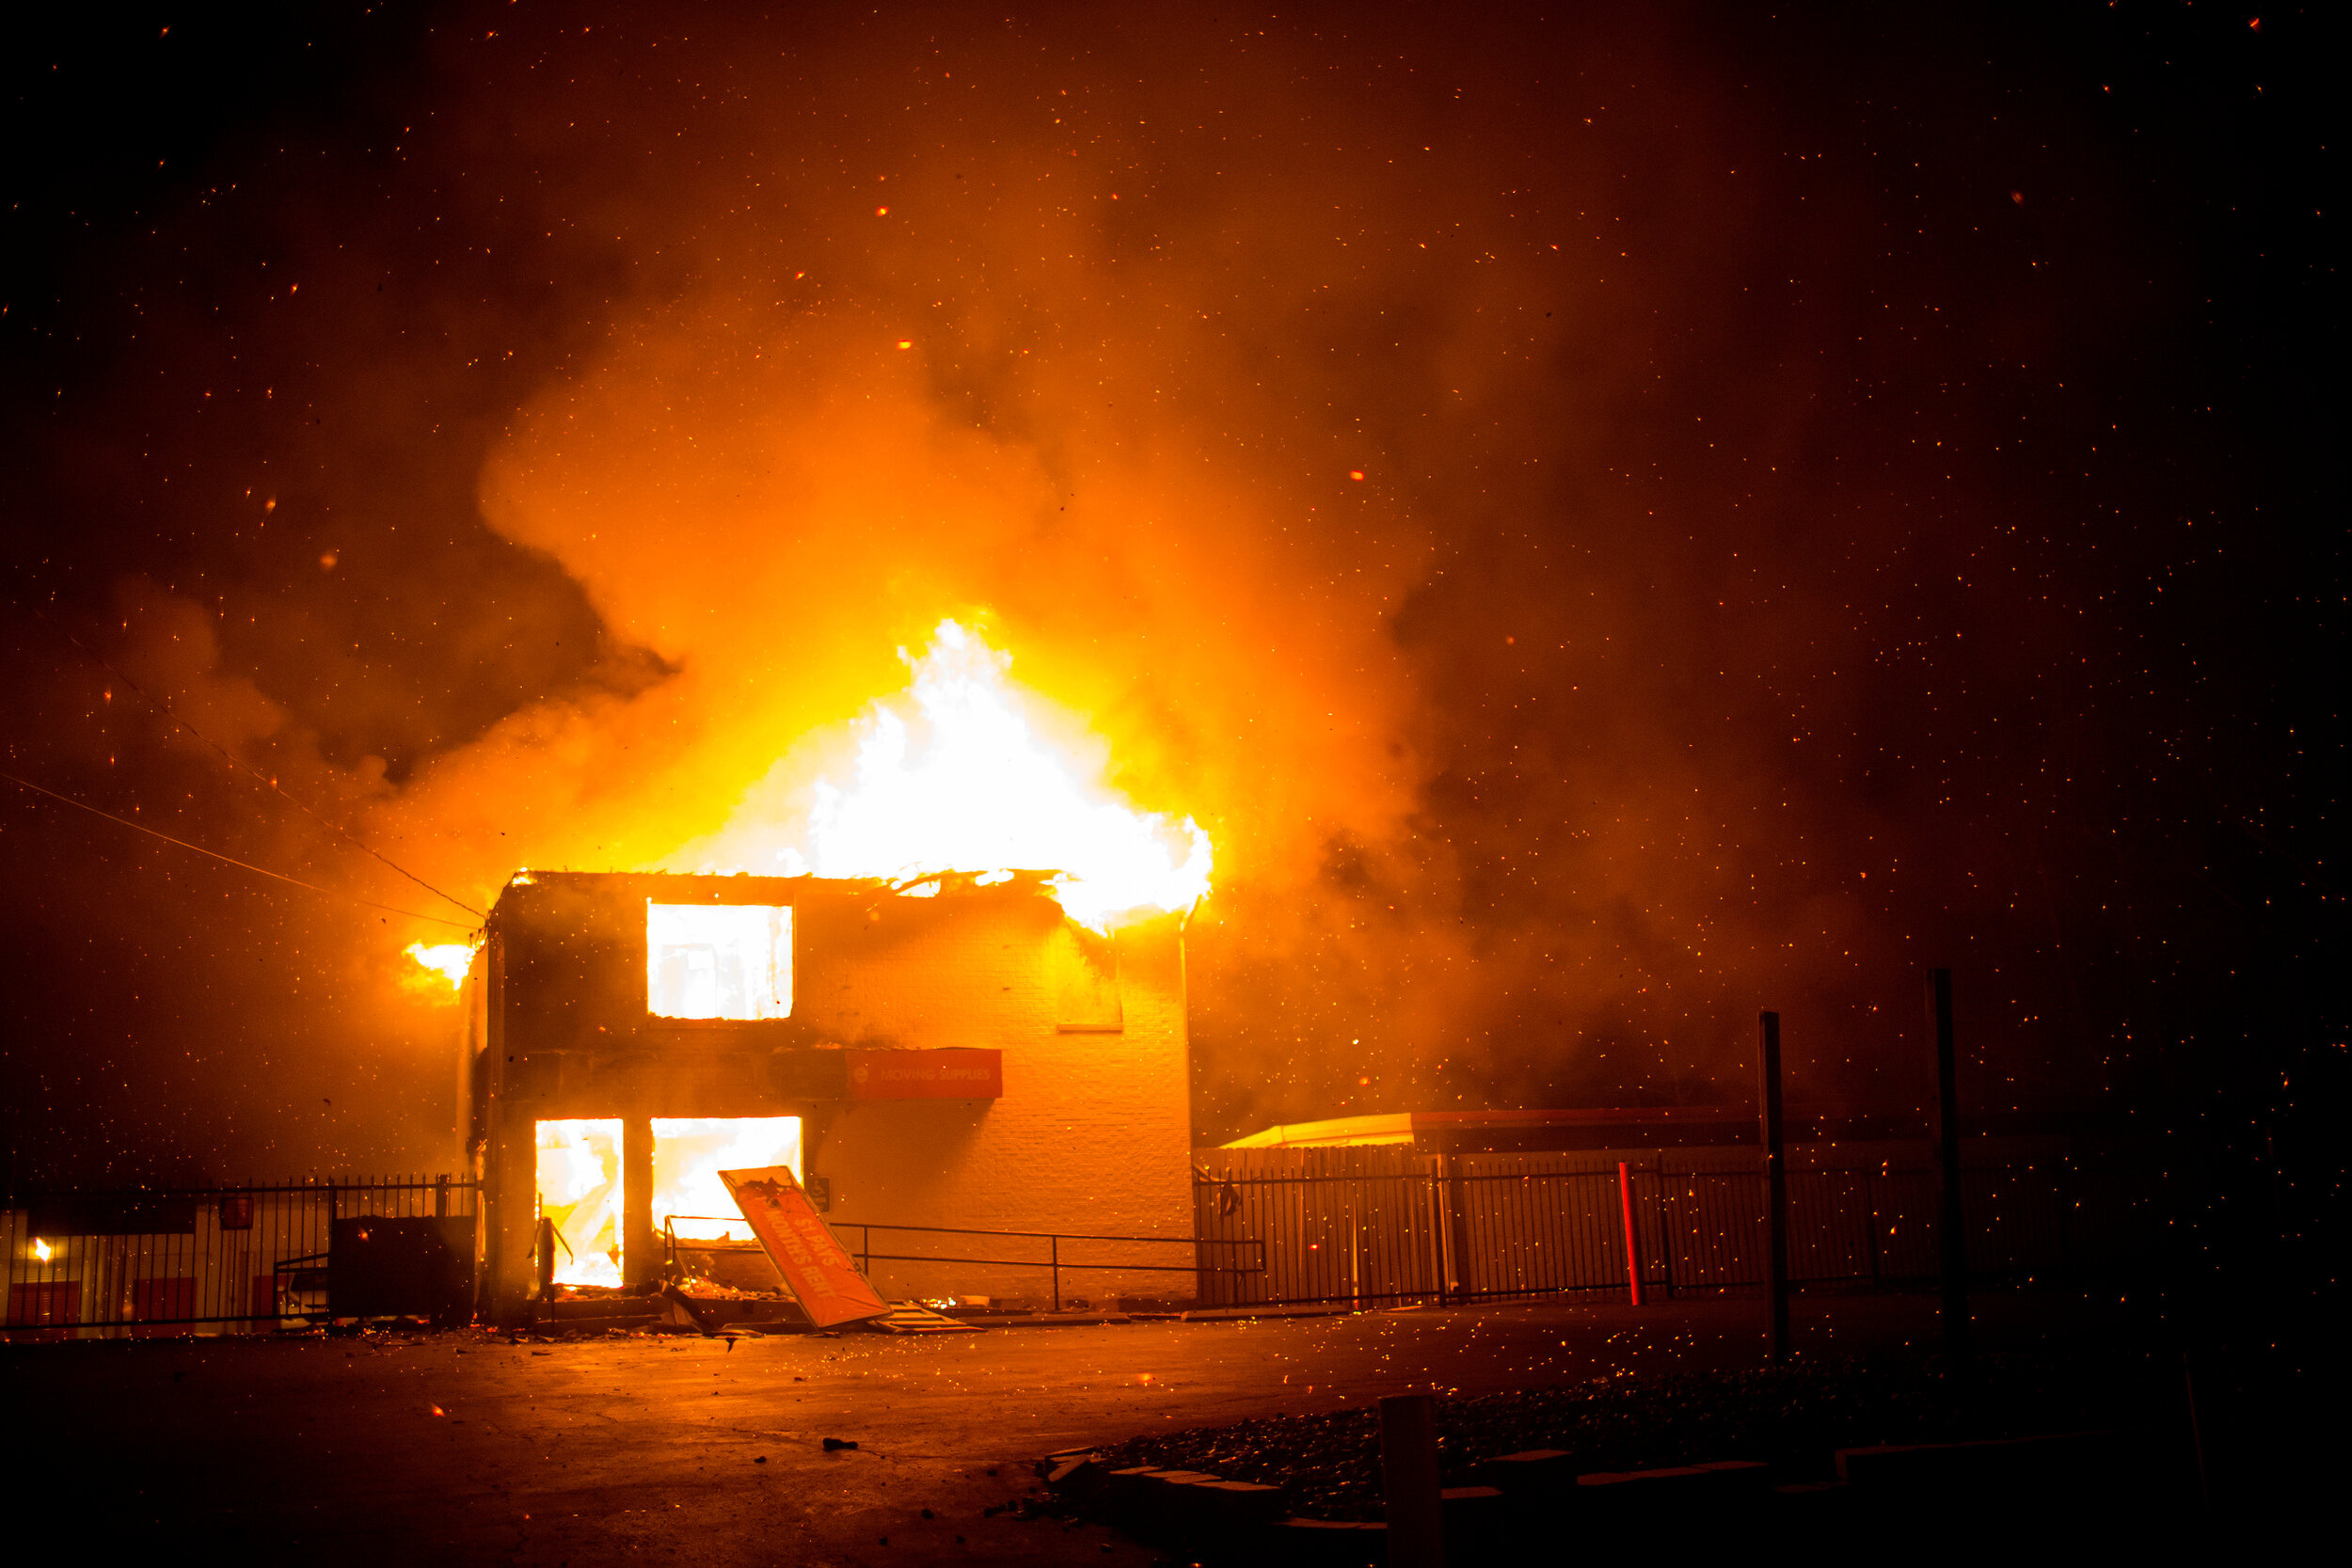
765,956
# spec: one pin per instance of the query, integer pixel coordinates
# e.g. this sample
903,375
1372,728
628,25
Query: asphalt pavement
463,1448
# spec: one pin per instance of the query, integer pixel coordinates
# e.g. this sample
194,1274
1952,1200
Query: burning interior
961,1054
579,1182
718,960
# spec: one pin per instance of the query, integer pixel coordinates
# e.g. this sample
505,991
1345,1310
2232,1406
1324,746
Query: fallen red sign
815,1266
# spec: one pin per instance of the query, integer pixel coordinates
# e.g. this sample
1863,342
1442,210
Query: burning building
956,1052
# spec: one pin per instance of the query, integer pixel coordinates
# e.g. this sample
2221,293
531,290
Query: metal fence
148,1261
1369,1226
1359,1225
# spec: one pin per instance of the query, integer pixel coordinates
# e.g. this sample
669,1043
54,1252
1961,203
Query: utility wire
234,761
247,866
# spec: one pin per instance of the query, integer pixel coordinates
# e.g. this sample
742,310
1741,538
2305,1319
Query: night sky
1609,521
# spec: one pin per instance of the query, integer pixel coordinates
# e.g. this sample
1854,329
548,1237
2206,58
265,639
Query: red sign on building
951,1074
817,1267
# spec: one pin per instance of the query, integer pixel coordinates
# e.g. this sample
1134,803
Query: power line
245,865
234,761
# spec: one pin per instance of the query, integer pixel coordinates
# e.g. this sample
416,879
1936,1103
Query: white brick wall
1093,1132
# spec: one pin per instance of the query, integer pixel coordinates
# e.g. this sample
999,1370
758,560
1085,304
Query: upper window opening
717,960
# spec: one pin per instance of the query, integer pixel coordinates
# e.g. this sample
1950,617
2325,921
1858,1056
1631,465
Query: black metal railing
163,1261
1054,1262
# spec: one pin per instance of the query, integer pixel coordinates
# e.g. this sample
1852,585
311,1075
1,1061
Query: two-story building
955,1053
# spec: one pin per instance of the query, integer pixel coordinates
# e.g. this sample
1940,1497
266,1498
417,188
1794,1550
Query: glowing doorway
580,1190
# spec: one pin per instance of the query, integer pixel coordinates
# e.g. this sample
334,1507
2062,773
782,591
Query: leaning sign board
815,1266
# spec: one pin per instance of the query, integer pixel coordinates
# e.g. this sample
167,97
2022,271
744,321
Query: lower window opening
580,1183
688,1152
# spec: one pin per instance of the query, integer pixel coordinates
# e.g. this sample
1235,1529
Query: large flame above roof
953,775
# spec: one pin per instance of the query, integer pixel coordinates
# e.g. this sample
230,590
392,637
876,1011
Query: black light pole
1951,1231
1775,1180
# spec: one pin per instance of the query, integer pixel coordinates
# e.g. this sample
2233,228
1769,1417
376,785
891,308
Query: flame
964,783
688,1152
448,959
42,1250
952,776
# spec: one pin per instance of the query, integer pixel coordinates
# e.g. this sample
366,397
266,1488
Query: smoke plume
1602,521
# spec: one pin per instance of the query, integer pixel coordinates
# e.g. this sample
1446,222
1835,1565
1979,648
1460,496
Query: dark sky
1839,494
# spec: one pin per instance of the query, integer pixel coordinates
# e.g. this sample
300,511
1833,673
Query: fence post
1437,1223
1054,1245
1457,1274
1667,1240
1952,1233
1356,1261
1775,1180
1203,1272
1633,1246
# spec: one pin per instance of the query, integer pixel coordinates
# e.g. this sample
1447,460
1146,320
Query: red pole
1633,1248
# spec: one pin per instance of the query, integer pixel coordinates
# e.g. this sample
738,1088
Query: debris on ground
1019,1507
692,1308
1795,1417
909,1317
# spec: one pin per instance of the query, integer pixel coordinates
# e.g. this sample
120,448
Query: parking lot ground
461,1447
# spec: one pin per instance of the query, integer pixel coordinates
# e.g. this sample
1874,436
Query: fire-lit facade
955,1053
